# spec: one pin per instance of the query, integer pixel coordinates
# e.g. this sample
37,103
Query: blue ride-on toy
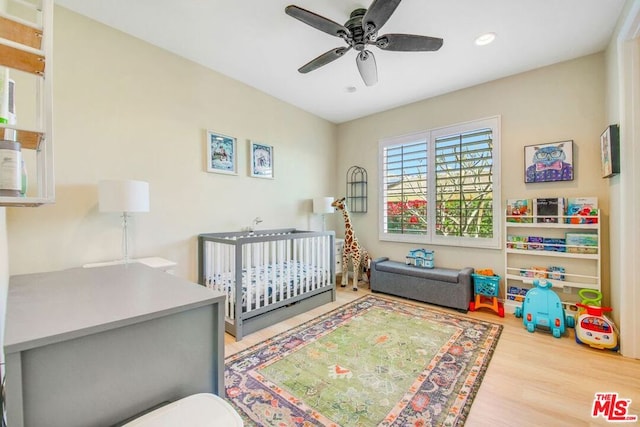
543,309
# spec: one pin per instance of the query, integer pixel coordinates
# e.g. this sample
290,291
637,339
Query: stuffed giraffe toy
352,250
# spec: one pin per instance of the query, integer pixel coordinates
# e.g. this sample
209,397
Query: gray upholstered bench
441,286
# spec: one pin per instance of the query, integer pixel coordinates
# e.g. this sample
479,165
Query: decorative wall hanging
261,160
222,155
549,162
610,151
357,189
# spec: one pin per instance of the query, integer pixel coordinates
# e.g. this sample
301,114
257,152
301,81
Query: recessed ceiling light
485,39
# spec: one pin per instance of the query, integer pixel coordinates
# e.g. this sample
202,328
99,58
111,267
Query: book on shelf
548,209
582,210
582,243
519,210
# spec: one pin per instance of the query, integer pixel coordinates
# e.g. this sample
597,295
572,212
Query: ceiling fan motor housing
354,25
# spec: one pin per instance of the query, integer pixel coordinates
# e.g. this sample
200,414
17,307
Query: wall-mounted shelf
357,196
26,47
524,260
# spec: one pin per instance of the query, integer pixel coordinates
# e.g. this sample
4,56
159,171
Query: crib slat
315,263
274,263
264,268
308,259
228,267
284,282
248,272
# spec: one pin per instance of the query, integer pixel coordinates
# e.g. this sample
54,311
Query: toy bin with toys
486,287
542,309
593,328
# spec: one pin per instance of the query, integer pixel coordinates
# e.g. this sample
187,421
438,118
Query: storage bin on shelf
486,289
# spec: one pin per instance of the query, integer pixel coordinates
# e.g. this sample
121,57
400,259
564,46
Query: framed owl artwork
548,162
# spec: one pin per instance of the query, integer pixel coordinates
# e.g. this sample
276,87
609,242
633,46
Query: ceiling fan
360,31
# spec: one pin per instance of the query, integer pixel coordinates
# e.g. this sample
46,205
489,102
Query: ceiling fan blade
367,67
316,21
378,14
323,59
408,43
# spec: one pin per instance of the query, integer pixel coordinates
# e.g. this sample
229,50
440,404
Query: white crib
267,276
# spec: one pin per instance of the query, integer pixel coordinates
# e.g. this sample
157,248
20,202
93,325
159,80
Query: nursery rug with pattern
372,362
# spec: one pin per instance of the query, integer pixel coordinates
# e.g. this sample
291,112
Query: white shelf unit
26,45
582,269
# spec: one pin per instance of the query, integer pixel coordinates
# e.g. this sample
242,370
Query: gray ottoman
441,286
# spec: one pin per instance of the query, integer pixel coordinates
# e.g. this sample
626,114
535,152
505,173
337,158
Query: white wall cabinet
26,28
576,264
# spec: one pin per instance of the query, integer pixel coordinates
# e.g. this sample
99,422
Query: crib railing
257,271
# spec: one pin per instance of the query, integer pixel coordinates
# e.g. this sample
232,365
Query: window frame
430,137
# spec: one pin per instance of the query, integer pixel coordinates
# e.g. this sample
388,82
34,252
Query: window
441,187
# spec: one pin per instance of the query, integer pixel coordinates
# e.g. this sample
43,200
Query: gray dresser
91,347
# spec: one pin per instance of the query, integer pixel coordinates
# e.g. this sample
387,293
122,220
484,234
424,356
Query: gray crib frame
248,322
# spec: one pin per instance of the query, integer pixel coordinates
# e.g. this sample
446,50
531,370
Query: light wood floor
533,379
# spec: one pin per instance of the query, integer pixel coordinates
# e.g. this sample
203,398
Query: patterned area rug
372,362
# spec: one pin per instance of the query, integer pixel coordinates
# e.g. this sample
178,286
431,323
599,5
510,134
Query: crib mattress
274,282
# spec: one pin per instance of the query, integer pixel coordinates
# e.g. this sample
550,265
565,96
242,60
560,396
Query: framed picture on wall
548,162
610,151
261,160
222,154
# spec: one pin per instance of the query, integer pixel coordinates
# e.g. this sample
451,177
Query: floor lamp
322,206
125,196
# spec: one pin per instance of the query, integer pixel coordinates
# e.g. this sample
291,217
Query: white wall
4,276
560,102
623,102
126,109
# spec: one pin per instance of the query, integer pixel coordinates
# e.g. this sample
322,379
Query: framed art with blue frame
549,162
261,160
222,156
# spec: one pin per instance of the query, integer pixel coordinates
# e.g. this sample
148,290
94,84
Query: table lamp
322,206
125,196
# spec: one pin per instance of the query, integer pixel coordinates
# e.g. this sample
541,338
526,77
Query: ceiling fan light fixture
367,67
485,39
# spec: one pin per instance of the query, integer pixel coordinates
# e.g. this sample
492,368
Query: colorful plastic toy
593,328
486,286
420,258
590,297
542,309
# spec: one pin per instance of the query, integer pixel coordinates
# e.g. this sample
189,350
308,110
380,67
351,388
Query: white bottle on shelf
10,168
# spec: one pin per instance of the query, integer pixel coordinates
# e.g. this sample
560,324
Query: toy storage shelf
26,45
556,254
558,284
563,225
581,263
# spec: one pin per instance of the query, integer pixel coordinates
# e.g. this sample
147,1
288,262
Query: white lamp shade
123,196
322,205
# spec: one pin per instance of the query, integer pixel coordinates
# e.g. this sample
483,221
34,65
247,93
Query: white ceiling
255,42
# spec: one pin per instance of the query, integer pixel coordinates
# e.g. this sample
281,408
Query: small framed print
261,160
222,156
610,151
549,162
